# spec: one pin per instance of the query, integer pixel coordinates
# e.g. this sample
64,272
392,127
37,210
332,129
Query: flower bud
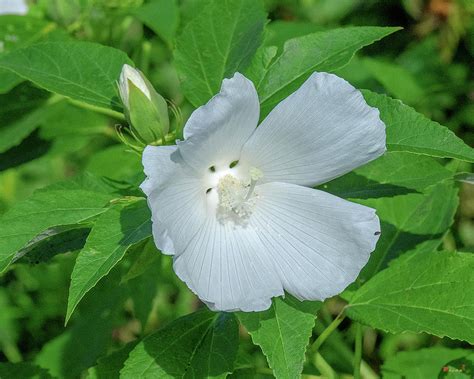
145,109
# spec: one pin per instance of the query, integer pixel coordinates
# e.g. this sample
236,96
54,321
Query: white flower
233,203
13,7
135,76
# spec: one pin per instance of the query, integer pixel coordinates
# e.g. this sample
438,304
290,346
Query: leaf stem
104,111
358,351
327,332
324,368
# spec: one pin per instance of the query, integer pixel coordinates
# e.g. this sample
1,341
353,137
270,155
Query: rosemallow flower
234,204
145,109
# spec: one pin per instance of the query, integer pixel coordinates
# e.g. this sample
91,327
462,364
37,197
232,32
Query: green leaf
83,71
408,130
283,333
394,173
420,364
56,241
219,41
407,221
260,63
396,80
321,51
200,345
56,205
23,110
23,370
420,292
429,213
118,228
20,31
279,31
161,16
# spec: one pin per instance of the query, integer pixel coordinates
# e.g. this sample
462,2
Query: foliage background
45,138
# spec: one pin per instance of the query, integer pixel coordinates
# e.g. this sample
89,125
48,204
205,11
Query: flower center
237,197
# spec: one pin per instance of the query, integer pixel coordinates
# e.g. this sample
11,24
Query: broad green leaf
409,220
428,213
420,292
109,367
321,51
394,173
408,130
219,41
83,71
23,370
118,228
396,80
283,333
56,205
20,31
420,364
200,345
161,16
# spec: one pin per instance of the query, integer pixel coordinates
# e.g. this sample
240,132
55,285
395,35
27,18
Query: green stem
104,111
327,332
358,351
324,368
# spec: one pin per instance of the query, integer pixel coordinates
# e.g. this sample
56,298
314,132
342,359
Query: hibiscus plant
236,188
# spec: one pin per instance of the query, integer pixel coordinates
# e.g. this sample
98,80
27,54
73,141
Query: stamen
236,197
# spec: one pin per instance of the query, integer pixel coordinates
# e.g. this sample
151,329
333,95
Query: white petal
18,7
215,133
175,196
132,74
318,241
323,130
228,268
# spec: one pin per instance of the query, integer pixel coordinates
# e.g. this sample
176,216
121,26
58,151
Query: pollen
237,197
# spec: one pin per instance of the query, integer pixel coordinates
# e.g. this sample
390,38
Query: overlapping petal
175,196
323,130
229,269
215,133
318,242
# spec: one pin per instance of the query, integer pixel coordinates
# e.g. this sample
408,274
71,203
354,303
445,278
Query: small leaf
219,41
200,345
83,71
113,233
408,130
283,333
420,292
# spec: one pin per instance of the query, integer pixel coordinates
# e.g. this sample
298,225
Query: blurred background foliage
45,138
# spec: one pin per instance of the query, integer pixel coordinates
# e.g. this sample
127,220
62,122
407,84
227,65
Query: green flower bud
145,109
